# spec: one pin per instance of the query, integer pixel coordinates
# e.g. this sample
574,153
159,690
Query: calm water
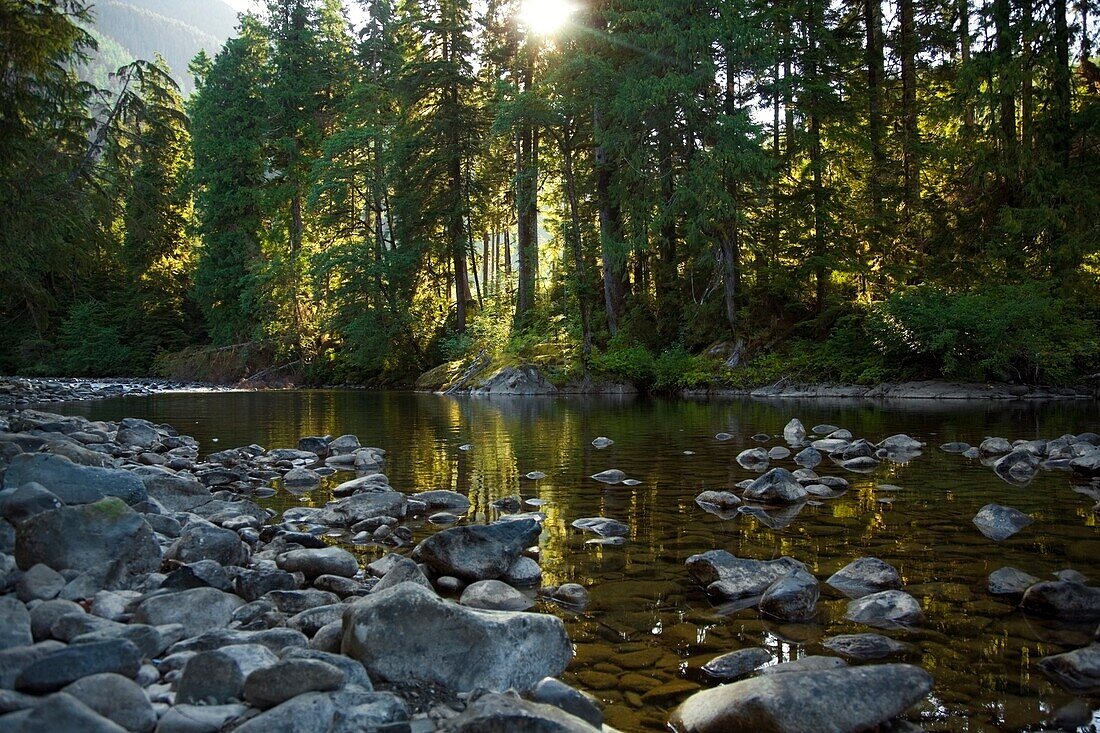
648,629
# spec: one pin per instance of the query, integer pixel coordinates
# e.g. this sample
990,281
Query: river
648,629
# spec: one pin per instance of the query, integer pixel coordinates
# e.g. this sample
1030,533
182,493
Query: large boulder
777,486
71,482
135,432
478,552
794,432
730,577
107,538
408,633
19,505
269,686
63,713
838,700
1064,599
1009,581
865,575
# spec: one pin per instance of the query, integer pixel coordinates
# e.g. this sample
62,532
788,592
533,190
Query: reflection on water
647,631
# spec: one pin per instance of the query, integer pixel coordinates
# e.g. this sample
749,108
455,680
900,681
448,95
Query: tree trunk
907,50
580,272
527,209
876,72
1061,83
964,49
1002,22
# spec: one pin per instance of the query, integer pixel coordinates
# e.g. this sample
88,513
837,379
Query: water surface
647,630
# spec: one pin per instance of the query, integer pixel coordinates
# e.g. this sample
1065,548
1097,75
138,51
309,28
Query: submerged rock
602,526
1010,582
845,699
864,647
886,609
738,664
1077,671
730,577
753,458
407,633
1000,522
610,476
1062,599
865,575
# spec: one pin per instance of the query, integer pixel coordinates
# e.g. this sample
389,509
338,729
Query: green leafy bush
632,364
676,369
1006,333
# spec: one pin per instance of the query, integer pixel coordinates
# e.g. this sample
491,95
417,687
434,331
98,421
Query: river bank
23,391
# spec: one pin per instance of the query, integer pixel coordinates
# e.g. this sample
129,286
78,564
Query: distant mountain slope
176,29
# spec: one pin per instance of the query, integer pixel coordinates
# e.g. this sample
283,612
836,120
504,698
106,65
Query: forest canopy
672,192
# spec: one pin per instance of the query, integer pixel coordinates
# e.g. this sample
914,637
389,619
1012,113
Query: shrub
91,344
632,364
676,369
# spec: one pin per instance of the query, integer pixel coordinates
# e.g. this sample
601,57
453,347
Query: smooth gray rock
777,486
1010,582
205,541
792,597
1017,467
312,620
354,672
254,583
197,610
1086,465
494,595
278,640
805,664
107,537
403,570
508,713
359,710
610,476
44,615
135,432
730,577
524,573
864,647
149,641
409,633
199,574
116,698
753,458
218,677
809,457
14,660
994,447
71,482
313,711
794,432
1000,522
15,623
838,700
269,686
176,493
40,583
56,669
365,505
550,691
886,609
719,499
22,503
293,602
1077,671
478,552
572,596
302,477
865,575
312,563
738,664
62,713
1062,599
199,718
443,499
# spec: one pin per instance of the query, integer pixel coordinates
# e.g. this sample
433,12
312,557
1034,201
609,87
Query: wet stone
738,664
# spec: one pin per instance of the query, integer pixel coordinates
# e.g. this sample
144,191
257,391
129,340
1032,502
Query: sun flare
546,16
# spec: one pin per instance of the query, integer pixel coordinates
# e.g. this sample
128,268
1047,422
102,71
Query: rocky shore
21,392
144,588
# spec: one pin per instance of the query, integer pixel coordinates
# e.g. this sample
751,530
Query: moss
109,508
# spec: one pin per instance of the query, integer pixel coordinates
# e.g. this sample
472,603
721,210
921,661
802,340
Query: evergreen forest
675,193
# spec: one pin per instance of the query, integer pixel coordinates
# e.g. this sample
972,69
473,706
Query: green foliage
1007,333
90,343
